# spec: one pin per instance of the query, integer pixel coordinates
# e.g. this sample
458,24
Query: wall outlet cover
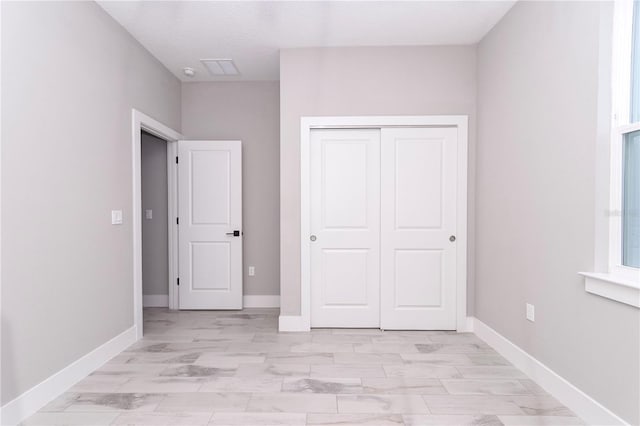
252,271
531,312
116,217
148,214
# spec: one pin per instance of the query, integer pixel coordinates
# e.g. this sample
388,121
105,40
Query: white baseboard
155,300
585,407
292,323
260,301
41,394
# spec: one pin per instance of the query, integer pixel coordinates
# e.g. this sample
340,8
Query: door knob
234,233
312,238
452,238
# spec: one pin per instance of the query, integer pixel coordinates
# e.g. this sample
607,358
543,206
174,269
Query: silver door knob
312,238
452,238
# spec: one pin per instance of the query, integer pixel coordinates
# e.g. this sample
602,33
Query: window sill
612,287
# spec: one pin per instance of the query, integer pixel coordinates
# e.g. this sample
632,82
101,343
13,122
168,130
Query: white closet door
345,228
418,219
210,229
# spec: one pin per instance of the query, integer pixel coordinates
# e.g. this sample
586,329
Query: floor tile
253,370
355,419
386,348
484,387
539,421
341,338
452,360
322,347
367,358
229,359
162,385
403,385
87,402
192,370
533,387
163,419
243,384
204,402
451,420
491,372
300,358
71,419
541,405
322,385
471,404
457,348
258,419
292,403
419,370
487,359
406,404
347,371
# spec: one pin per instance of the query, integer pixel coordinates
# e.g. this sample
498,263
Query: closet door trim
302,322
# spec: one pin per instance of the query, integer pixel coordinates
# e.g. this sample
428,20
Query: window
624,250
617,268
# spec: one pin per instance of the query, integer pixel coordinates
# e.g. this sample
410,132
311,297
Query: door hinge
176,159
178,281
177,221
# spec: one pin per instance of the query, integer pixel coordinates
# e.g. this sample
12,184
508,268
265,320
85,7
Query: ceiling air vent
219,67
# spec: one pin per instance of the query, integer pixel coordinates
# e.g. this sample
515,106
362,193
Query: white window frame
617,282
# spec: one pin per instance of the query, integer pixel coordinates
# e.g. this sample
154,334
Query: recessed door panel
418,279
344,183
210,210
418,183
210,264
345,279
345,228
210,187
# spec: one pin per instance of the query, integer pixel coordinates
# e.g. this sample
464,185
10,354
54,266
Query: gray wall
155,243
537,114
248,111
70,76
364,81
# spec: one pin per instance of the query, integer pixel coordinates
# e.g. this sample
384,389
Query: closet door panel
345,228
418,217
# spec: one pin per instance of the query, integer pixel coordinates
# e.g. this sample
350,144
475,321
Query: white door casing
345,227
210,210
418,228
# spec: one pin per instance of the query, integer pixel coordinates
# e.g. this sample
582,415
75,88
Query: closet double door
383,226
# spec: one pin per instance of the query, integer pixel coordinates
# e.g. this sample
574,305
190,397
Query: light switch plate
252,271
148,214
531,312
116,217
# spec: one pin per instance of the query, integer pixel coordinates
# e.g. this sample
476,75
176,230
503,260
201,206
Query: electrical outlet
531,312
148,214
252,271
116,217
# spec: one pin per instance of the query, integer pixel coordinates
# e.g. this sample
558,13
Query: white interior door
345,228
418,222
210,226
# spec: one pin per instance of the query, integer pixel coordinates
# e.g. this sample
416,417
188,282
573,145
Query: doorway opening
155,219
153,129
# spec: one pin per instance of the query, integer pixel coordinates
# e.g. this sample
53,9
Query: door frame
309,123
140,122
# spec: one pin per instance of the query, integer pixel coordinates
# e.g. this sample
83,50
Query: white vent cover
218,67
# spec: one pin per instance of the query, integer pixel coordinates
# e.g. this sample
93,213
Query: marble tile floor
234,368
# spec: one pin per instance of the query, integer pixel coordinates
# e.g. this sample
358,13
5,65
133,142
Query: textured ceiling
180,33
